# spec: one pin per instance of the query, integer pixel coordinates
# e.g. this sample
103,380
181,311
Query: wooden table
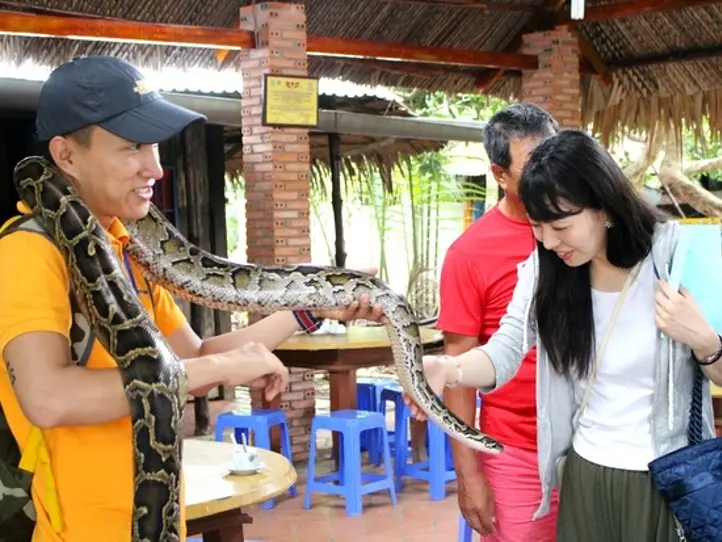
214,502
341,355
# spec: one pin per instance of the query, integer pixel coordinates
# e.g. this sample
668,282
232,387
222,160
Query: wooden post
215,155
171,156
276,169
195,194
334,146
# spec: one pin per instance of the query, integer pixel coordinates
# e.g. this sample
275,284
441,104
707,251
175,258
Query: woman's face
576,239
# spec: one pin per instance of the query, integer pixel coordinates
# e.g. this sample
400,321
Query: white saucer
245,472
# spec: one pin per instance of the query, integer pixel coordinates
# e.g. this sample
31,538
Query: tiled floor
414,519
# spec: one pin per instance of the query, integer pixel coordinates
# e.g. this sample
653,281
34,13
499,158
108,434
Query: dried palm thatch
664,95
649,90
360,154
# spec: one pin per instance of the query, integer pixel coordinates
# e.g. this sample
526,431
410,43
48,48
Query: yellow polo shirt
92,465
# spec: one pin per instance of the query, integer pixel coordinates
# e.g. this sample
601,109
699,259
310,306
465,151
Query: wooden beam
335,47
88,28
101,29
483,84
596,61
406,69
554,5
415,70
634,8
686,55
672,57
473,4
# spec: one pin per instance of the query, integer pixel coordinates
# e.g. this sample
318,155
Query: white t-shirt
615,430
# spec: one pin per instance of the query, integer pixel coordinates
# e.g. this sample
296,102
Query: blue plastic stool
368,394
365,394
449,453
392,392
438,470
260,421
351,424
369,391
465,532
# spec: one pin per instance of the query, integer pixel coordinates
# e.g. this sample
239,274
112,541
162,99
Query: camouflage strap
81,336
17,513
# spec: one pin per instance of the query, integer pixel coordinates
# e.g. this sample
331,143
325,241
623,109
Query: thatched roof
647,55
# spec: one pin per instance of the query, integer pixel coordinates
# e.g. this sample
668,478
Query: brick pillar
555,86
276,170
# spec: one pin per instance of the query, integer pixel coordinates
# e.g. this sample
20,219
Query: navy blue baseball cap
110,93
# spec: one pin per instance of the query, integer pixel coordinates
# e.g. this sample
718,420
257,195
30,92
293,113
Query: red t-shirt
477,282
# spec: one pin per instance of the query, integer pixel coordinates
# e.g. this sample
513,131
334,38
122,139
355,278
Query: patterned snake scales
153,376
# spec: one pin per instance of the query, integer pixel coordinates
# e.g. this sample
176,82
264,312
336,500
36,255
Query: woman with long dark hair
616,345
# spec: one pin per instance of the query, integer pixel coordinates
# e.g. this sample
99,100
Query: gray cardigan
555,393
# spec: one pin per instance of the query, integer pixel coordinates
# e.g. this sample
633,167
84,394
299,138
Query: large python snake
153,376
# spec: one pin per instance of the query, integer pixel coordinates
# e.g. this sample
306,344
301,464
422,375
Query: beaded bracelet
308,322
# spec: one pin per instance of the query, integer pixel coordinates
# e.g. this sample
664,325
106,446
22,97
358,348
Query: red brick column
555,86
276,170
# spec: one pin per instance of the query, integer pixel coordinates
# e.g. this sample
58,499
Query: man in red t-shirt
498,494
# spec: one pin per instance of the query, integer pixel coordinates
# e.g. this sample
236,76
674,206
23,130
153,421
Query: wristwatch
712,358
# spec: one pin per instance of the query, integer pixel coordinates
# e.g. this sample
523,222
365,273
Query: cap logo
142,87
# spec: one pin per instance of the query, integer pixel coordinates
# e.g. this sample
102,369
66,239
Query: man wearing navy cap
100,124
111,94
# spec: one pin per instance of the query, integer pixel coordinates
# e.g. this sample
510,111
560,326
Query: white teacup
244,460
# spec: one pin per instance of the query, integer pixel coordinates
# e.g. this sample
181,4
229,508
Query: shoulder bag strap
603,345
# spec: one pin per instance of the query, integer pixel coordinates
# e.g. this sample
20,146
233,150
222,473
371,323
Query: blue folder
697,265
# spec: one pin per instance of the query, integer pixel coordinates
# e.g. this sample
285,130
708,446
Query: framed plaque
290,101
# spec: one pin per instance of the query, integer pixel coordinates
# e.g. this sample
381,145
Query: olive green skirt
601,504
